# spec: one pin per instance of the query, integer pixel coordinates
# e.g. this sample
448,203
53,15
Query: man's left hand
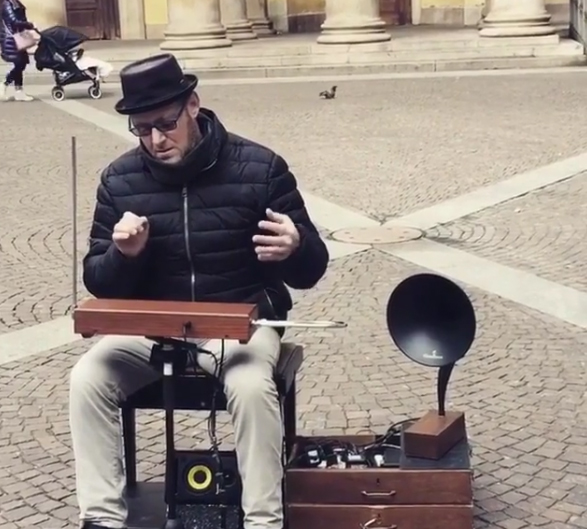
284,240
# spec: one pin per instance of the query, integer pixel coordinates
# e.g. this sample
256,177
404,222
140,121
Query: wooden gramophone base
434,435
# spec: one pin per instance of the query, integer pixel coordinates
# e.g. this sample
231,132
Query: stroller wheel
58,94
95,92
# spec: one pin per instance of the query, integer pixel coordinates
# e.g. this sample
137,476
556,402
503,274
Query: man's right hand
130,234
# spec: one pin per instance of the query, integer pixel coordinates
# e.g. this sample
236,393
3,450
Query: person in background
13,20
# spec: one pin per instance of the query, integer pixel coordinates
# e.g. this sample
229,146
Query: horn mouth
431,320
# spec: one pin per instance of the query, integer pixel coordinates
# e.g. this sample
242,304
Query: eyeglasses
162,125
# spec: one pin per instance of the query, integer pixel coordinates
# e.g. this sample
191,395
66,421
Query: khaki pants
117,366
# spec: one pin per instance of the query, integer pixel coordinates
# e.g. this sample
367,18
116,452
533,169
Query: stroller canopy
54,43
62,38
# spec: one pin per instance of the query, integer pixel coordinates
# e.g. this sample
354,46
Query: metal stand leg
129,434
170,461
290,419
223,517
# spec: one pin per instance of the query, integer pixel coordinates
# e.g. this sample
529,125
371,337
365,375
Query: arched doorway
396,12
98,19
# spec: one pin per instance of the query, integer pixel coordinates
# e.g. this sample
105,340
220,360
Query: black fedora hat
153,83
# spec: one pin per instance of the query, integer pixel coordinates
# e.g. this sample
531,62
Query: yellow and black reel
197,478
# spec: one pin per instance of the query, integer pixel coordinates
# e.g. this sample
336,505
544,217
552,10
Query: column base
529,26
262,28
207,40
240,31
353,33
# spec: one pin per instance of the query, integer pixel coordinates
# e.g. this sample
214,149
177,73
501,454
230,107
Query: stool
194,391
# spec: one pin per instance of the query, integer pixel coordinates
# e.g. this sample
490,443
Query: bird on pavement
329,94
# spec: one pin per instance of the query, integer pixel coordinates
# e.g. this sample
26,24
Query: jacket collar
199,160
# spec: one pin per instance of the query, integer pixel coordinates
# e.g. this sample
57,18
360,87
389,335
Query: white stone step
291,57
452,55
563,49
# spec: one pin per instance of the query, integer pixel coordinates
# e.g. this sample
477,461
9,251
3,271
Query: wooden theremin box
418,494
166,319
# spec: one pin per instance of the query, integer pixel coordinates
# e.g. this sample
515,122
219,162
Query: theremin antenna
74,220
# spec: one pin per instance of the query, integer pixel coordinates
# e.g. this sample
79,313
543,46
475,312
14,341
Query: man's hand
282,244
130,234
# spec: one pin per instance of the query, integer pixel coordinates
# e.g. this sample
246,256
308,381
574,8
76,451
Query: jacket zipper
186,233
186,236
270,302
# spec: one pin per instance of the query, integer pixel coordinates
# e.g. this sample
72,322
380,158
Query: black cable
325,444
382,440
211,426
322,446
212,420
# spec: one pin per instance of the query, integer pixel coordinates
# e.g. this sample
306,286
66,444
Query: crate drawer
378,487
380,517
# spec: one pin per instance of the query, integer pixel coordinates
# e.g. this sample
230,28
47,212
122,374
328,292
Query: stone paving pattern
35,193
387,148
530,468
522,386
543,233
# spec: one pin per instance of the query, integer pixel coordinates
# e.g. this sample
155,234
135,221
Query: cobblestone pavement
387,148
522,385
35,195
543,233
530,468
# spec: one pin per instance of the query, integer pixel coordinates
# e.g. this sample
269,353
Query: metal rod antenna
74,219
317,324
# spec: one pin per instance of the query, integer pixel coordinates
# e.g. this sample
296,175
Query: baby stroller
57,51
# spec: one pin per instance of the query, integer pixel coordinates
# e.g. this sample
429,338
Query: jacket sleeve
308,264
107,273
9,15
11,20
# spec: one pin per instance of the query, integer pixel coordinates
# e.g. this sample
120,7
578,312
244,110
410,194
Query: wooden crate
420,494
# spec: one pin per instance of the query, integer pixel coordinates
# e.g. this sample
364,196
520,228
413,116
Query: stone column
132,19
257,14
194,25
234,18
517,18
46,13
277,11
353,22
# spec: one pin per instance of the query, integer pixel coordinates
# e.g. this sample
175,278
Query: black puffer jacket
203,214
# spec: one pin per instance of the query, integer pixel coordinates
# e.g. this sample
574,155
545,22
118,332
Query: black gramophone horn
432,321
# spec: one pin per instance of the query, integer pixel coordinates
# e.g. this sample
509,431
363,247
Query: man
193,213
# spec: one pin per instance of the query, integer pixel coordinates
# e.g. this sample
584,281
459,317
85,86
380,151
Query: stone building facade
337,20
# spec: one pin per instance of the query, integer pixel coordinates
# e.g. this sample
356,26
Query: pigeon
329,94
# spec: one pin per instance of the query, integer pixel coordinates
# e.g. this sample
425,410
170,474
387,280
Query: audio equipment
198,483
388,489
167,320
418,474
432,321
383,451
176,319
74,272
